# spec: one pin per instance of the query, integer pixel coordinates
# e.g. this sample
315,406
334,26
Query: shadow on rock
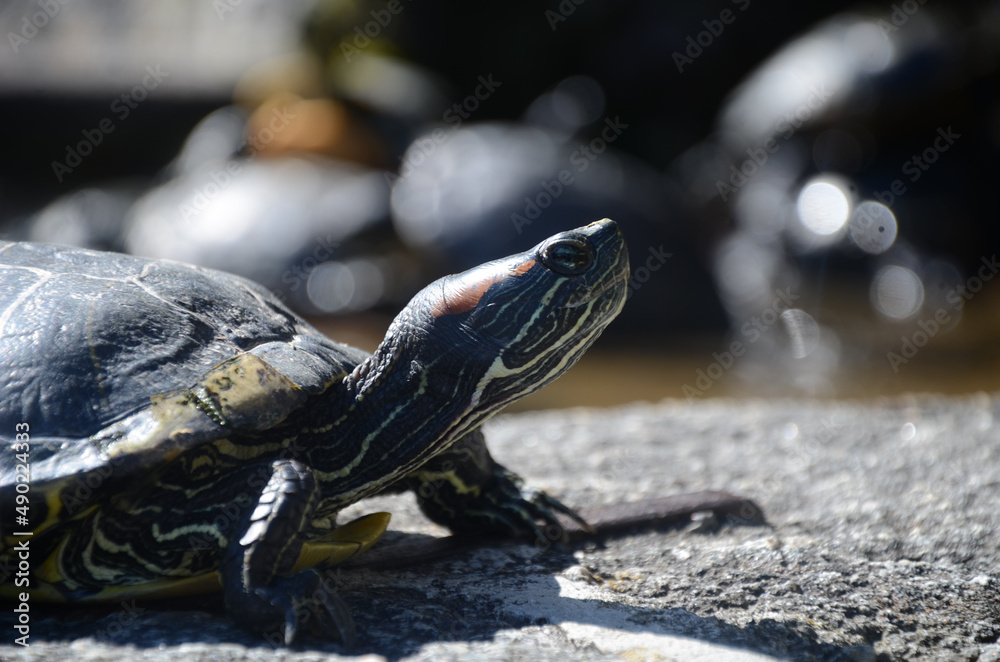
508,590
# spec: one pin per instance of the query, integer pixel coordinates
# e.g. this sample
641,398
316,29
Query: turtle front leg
465,489
258,578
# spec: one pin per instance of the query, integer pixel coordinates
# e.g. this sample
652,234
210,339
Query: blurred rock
287,124
281,222
832,158
89,218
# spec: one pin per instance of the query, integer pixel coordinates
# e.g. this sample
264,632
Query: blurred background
808,190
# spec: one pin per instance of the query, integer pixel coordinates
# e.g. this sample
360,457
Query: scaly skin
246,500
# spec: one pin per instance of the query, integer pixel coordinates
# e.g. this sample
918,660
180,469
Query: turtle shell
117,364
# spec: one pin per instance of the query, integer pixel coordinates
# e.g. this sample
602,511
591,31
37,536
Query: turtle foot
304,599
505,505
530,506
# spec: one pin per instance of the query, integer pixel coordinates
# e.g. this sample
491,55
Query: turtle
171,430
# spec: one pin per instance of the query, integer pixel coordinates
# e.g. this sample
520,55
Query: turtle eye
568,256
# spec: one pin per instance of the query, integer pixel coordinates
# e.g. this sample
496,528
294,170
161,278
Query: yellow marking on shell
246,387
343,542
41,592
163,588
50,570
56,508
245,452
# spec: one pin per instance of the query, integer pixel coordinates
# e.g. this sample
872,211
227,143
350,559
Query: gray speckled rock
883,544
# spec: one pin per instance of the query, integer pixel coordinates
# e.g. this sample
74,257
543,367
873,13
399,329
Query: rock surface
883,544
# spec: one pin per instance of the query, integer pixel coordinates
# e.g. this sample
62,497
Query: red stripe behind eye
460,296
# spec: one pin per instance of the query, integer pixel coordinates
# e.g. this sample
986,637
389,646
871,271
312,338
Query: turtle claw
467,491
547,503
291,624
303,598
506,506
335,615
529,505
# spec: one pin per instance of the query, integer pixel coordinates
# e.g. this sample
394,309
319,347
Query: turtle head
527,318
468,344
485,337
